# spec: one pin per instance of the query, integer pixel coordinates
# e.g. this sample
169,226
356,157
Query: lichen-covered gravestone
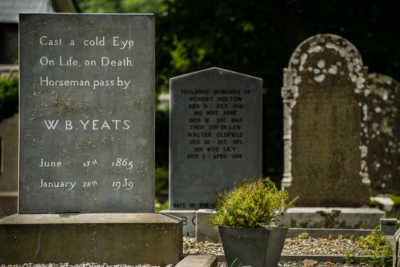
322,118
215,135
86,113
381,132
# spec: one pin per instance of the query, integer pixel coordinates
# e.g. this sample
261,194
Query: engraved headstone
215,135
381,132
322,117
86,113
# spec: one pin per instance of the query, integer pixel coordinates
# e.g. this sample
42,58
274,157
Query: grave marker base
188,218
135,238
318,217
8,203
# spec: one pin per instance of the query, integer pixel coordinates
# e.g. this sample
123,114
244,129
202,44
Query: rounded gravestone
322,117
381,132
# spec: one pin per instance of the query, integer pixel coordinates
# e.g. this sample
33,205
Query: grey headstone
381,132
322,117
215,135
98,137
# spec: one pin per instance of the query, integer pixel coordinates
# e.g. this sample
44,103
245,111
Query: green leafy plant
304,235
158,206
8,95
252,203
376,247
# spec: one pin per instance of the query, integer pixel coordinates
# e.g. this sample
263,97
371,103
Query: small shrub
253,203
304,236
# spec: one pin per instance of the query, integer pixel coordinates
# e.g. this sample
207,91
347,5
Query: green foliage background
8,95
256,37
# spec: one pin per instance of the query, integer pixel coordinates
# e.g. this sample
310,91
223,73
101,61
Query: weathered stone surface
322,117
320,217
8,203
102,238
188,220
396,249
9,154
205,231
381,132
9,166
86,113
388,226
198,261
215,135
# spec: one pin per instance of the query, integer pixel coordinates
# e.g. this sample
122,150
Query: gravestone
381,132
322,124
215,135
86,113
87,145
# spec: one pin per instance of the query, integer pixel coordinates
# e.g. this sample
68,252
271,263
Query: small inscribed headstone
87,113
381,132
322,116
215,135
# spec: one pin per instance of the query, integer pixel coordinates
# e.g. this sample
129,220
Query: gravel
321,246
293,246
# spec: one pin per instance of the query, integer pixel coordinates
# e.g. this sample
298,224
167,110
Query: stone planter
258,247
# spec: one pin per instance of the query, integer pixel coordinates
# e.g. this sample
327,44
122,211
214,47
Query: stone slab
137,238
198,261
9,154
86,87
388,226
326,232
320,217
205,231
188,220
396,248
8,203
215,135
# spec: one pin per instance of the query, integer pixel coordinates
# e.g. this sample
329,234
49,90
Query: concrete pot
258,247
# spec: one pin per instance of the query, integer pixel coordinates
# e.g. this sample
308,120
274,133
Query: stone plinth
395,242
205,231
333,217
198,261
188,218
8,203
102,238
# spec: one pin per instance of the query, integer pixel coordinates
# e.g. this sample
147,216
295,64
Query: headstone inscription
86,113
381,132
215,135
322,116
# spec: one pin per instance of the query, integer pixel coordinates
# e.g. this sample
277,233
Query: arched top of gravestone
325,56
213,70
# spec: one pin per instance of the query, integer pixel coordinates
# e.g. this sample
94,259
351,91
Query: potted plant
248,223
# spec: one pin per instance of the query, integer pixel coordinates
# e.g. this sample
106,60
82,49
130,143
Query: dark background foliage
255,37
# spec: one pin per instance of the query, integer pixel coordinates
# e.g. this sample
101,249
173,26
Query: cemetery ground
308,249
